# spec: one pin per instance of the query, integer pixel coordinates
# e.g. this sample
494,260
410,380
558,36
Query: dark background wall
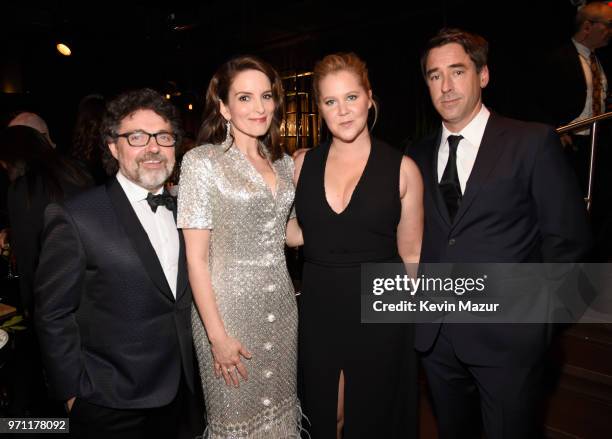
176,47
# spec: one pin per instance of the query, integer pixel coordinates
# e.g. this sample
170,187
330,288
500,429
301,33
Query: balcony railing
591,122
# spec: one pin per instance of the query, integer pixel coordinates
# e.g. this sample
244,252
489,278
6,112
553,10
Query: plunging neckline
272,193
365,168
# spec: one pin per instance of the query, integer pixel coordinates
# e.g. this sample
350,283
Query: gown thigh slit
378,360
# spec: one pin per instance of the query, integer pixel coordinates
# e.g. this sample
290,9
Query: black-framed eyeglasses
141,138
606,23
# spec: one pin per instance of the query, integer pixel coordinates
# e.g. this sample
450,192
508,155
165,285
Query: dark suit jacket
110,329
561,87
521,204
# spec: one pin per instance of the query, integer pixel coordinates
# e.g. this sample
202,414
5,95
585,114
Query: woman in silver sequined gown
234,200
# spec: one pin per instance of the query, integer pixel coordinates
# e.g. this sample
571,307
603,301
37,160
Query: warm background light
63,49
190,106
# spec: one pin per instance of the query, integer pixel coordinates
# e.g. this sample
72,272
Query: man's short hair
127,103
474,45
32,120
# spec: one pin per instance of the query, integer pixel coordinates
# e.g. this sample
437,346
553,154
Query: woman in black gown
357,200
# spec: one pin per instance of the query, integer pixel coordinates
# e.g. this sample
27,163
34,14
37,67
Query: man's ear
113,149
484,76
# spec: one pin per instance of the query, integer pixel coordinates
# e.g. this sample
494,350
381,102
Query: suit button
451,242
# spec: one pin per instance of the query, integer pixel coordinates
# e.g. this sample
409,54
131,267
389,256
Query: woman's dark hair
127,103
87,139
28,154
213,126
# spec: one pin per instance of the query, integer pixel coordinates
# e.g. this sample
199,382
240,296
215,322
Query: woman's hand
227,352
293,234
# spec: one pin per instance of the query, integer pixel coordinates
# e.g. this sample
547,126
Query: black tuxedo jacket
110,329
561,87
521,204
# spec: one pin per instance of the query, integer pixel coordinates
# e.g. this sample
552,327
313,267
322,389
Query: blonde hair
343,61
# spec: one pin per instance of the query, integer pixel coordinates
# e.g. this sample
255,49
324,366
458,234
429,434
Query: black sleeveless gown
378,360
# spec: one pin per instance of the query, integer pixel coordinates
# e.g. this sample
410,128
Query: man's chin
153,180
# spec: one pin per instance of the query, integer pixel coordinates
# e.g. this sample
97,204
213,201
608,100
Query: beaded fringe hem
286,426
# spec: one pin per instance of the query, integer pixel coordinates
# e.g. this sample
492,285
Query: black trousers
175,420
505,401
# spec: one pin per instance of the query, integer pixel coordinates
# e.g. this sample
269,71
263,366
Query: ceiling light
63,49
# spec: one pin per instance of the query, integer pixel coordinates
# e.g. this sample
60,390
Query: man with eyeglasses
113,303
574,85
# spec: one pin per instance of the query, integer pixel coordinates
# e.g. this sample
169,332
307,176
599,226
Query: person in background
576,88
87,139
37,176
576,85
32,120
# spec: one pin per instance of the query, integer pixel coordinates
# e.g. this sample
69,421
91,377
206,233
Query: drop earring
228,135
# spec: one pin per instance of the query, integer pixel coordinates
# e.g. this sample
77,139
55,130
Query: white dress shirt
159,225
467,150
584,55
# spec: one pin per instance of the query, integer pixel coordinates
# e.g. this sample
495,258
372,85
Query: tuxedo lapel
491,148
138,237
432,179
182,280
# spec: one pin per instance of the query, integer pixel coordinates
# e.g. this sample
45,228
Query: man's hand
566,141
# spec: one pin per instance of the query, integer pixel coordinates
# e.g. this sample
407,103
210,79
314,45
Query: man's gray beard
152,180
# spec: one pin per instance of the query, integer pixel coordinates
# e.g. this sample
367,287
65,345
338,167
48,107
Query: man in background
32,120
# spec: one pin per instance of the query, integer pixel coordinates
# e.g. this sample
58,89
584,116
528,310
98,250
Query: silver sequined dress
220,190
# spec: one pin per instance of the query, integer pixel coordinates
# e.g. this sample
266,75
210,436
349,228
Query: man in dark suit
495,190
112,296
575,88
575,85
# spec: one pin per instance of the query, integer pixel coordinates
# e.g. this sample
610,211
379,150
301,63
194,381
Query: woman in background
87,139
38,175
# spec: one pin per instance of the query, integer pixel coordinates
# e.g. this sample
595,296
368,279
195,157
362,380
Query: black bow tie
163,199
